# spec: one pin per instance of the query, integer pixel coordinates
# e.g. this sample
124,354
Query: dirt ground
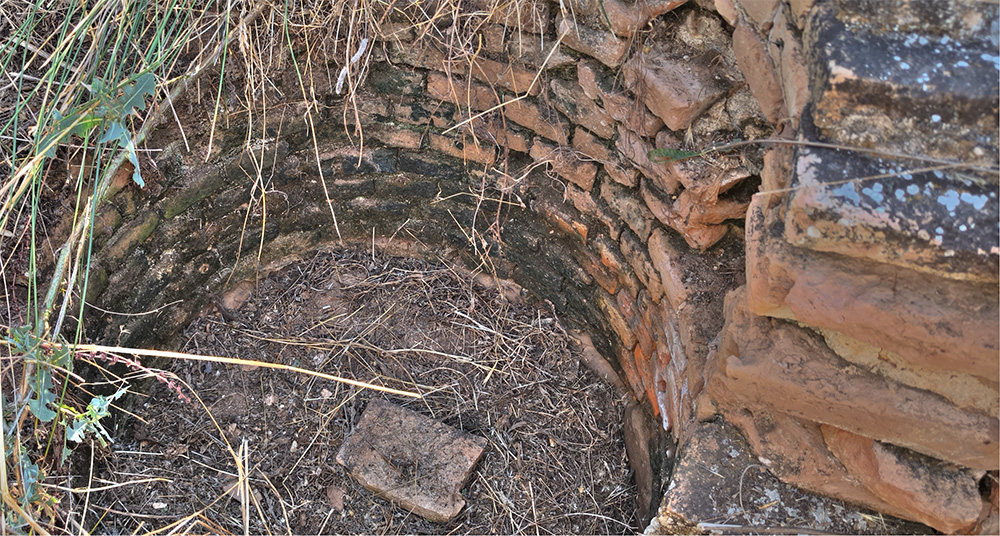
555,457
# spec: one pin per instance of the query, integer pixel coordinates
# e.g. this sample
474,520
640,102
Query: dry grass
258,457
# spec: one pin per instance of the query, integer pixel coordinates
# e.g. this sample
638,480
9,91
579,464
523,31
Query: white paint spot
935,118
913,189
812,232
904,66
977,201
949,200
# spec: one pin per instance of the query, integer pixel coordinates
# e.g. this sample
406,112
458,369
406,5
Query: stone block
939,221
926,490
905,92
932,322
560,216
600,45
675,89
411,459
758,70
768,356
567,163
569,98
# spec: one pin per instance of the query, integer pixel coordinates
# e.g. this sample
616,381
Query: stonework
871,289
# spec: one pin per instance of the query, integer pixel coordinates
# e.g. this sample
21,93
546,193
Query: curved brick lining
870,308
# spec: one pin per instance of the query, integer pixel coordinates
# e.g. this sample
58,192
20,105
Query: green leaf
41,383
666,155
134,96
77,431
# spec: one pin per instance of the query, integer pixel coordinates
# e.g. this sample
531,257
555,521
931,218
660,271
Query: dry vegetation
83,85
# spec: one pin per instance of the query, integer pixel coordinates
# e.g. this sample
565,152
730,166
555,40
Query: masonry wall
858,351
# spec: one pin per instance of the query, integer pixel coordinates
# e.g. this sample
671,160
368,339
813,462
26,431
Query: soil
495,368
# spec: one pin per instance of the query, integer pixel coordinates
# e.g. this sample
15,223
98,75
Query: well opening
740,213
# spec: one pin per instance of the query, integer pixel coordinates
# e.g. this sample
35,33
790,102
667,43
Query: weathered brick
598,84
569,98
939,222
591,262
758,70
624,18
507,75
902,92
677,90
638,258
591,146
603,46
776,356
543,120
560,217
533,50
727,10
464,147
636,149
394,136
760,11
530,16
567,163
666,258
928,490
612,258
785,48
626,204
617,322
932,322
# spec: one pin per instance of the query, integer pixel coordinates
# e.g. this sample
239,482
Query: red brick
776,356
560,217
616,321
626,204
492,72
612,258
569,98
759,72
394,136
677,90
760,11
591,263
542,120
625,19
790,63
635,252
530,16
597,85
666,257
727,10
567,163
928,490
636,149
463,147
600,45
931,322
593,147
